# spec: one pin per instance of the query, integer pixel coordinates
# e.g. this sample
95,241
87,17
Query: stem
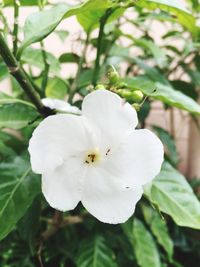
16,26
19,74
46,68
103,20
80,67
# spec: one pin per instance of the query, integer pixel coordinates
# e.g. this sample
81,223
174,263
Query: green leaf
175,7
34,57
172,194
56,88
3,71
150,47
94,252
41,24
22,2
29,223
17,114
159,229
168,141
164,93
18,188
143,243
89,19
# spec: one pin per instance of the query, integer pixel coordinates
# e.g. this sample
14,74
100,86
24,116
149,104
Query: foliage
29,229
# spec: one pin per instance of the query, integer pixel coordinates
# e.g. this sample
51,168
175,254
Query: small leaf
172,194
69,57
18,188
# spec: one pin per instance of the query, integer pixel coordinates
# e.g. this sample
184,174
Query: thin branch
80,67
19,74
46,67
16,26
103,21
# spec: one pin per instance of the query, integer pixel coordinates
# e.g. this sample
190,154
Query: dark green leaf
18,188
94,252
159,229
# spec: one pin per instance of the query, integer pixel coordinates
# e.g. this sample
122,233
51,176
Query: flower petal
106,199
61,187
109,115
60,105
138,159
56,138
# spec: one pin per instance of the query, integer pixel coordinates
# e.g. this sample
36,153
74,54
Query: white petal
138,159
60,105
109,115
106,199
61,187
56,138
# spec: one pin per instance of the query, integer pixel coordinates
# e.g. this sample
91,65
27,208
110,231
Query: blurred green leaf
56,88
169,143
18,188
159,229
175,7
34,57
95,253
172,194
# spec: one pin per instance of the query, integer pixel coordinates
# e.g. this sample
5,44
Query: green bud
122,85
136,106
137,96
113,75
99,87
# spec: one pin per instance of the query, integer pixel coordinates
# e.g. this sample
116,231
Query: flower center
92,157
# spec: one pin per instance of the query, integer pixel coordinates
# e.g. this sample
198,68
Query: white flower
97,158
60,105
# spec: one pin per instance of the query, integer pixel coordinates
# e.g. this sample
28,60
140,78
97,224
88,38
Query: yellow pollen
92,157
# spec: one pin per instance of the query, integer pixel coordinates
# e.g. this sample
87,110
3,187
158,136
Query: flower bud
122,85
99,87
136,106
137,96
113,76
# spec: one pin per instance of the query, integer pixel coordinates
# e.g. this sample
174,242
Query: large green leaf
16,114
18,188
94,252
41,24
165,93
143,243
175,7
159,229
34,57
172,194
